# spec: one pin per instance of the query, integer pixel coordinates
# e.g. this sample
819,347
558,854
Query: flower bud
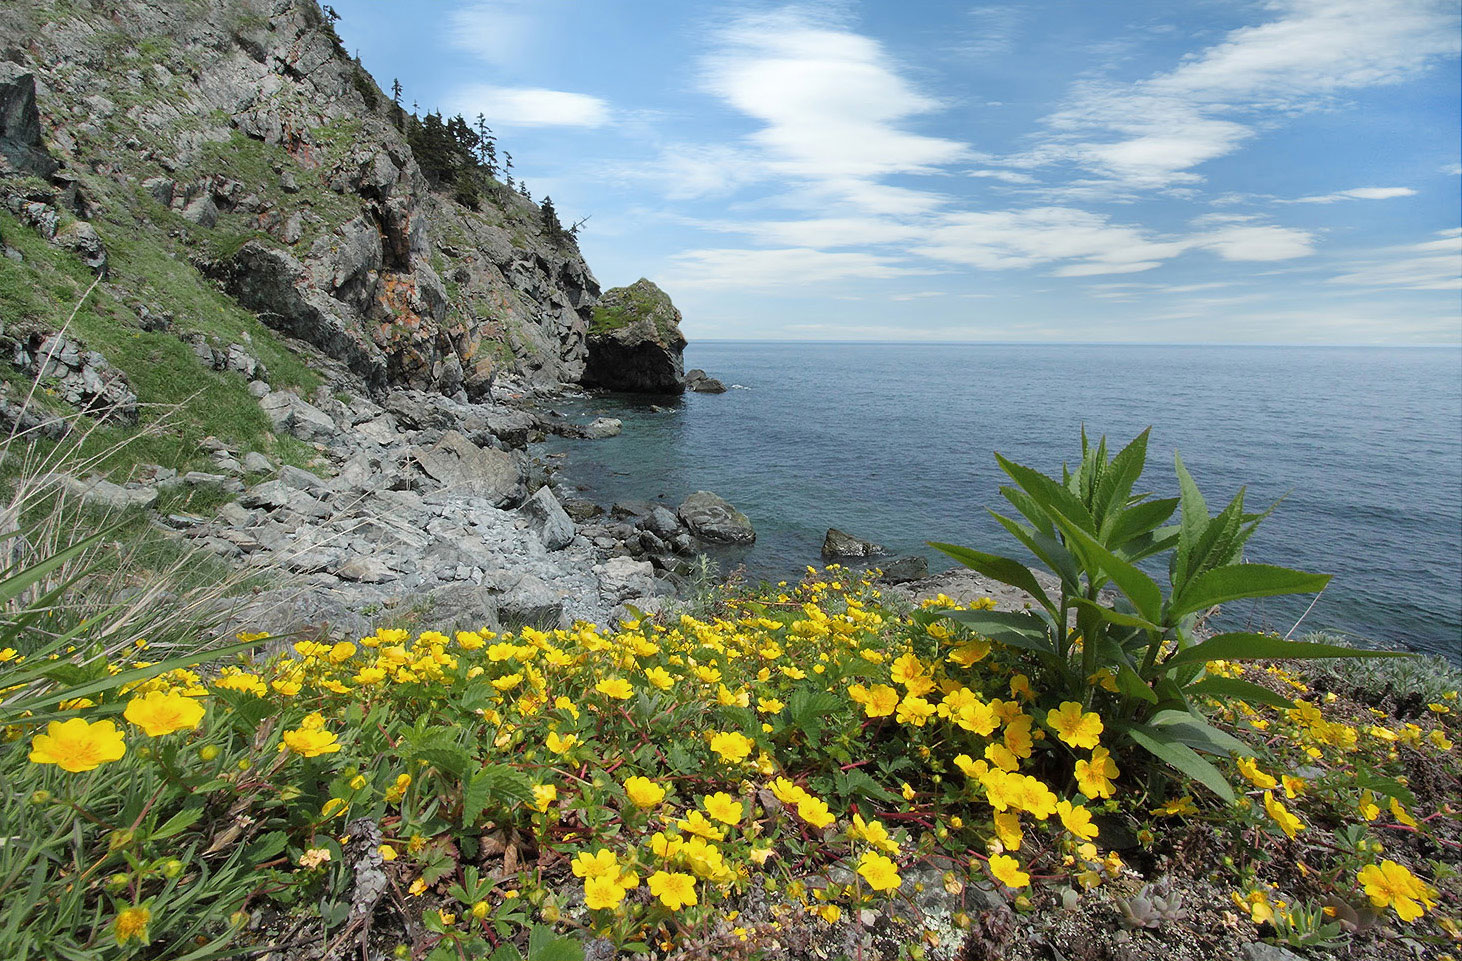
208,752
40,797
172,867
118,881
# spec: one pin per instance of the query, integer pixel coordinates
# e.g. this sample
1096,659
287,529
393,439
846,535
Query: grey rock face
546,517
623,578
105,494
20,124
901,570
460,465
839,544
635,342
289,414
712,519
80,377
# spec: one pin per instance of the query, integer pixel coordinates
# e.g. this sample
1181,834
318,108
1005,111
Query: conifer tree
552,229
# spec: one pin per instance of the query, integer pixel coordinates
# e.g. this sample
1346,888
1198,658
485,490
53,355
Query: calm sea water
895,443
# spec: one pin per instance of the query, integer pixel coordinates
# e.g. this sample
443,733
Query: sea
895,443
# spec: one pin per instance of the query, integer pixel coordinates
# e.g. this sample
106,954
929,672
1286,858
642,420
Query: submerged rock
840,544
711,518
901,570
700,382
635,342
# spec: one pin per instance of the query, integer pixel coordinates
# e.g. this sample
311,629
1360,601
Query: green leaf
1197,733
1132,685
178,823
808,710
1224,688
1002,569
544,944
1249,647
1115,484
441,750
1140,519
1194,522
1113,616
1140,589
1048,494
1238,581
268,846
1046,547
856,784
1164,746
1022,630
1387,786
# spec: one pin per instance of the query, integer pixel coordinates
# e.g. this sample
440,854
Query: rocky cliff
237,135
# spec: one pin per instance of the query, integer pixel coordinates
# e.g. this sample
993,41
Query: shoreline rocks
711,518
836,544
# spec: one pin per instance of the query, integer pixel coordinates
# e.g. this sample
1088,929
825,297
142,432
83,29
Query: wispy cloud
530,106
1356,193
792,268
497,31
1430,265
1155,132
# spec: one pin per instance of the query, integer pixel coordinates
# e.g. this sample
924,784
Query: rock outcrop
635,343
242,132
840,544
702,383
711,518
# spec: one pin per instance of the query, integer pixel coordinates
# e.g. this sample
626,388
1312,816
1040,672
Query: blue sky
1204,172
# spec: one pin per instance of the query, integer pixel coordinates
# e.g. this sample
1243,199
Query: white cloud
1430,265
1453,169
781,269
1257,243
1153,133
497,31
833,107
1356,193
529,106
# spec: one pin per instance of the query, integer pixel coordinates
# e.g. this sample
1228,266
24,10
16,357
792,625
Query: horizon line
1067,343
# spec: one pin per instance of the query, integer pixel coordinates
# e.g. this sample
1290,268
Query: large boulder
712,519
702,383
635,342
547,518
471,471
840,544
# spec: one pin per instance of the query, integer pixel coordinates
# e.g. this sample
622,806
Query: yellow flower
674,890
874,833
158,713
76,745
1007,871
1094,777
132,923
1077,819
1257,905
1293,786
1402,815
769,705
249,683
1179,806
602,892
560,744
695,823
309,741
879,700
660,678
387,852
1393,885
417,888
723,808
1007,829
914,710
314,857
544,795
788,792
643,792
603,863
880,873
967,655
1074,727
731,746
615,687
1249,768
1287,822
814,811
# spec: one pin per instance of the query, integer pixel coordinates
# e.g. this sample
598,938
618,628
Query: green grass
637,303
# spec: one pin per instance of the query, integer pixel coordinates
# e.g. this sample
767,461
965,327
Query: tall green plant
1091,531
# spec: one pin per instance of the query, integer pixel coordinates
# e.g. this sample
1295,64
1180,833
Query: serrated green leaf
1231,687
1239,581
178,823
